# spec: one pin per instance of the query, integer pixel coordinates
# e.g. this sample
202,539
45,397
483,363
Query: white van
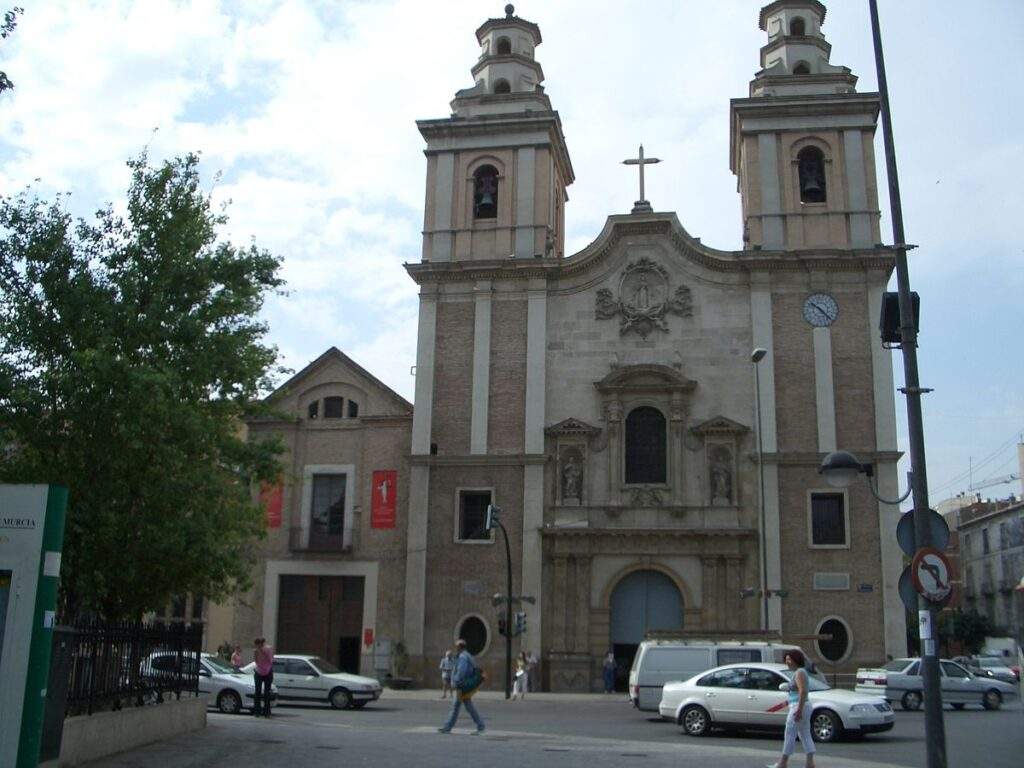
661,661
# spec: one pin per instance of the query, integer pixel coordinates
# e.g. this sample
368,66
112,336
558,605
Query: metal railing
108,665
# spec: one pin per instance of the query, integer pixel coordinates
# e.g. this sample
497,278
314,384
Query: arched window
474,632
502,86
504,46
836,649
485,192
802,68
811,166
645,446
797,27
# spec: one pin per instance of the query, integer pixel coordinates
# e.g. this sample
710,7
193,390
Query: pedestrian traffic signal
491,516
520,622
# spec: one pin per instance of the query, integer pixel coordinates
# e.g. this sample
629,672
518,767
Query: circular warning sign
931,575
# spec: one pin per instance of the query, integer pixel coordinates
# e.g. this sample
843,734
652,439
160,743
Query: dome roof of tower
771,8
509,19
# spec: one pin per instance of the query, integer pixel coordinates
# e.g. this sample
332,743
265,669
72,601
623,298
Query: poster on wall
272,499
385,494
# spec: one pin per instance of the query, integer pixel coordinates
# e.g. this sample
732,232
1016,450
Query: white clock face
820,310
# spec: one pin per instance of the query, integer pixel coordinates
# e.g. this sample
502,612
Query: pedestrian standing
446,667
798,720
608,670
236,658
263,673
466,679
522,672
532,675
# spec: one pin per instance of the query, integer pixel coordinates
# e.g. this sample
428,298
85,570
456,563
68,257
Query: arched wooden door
642,601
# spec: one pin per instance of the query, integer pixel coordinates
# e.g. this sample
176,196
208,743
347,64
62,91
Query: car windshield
897,665
219,666
325,667
813,683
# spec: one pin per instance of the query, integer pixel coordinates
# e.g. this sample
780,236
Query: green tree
129,353
969,628
8,25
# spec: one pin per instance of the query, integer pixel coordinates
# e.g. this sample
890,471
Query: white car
755,696
310,678
226,688
900,680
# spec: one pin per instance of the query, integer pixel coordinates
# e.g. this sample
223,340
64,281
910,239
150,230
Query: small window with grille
334,407
472,514
828,520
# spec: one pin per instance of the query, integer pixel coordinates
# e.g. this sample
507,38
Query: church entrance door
641,602
322,616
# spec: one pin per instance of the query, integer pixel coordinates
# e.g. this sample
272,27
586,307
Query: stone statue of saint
572,476
721,479
642,294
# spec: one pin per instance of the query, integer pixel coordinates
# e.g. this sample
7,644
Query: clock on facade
820,310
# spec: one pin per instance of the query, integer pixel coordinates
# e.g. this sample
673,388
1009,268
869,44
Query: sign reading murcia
645,298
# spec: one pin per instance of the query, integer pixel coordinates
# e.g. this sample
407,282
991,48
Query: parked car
226,688
754,696
310,678
660,661
900,680
993,666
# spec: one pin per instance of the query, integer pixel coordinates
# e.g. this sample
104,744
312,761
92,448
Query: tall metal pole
760,472
935,731
508,612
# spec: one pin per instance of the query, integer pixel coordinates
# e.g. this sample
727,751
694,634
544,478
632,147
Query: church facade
649,413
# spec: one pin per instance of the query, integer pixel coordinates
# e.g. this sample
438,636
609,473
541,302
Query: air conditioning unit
824,581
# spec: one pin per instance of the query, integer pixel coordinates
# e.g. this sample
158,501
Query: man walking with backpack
466,679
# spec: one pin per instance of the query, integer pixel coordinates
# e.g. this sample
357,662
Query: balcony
305,540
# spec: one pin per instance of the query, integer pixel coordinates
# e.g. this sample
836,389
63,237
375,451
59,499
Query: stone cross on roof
641,205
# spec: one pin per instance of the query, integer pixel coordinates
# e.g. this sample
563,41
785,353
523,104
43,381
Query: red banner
385,494
272,499
368,636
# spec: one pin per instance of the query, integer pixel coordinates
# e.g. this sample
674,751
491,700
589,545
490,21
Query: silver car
900,680
227,689
755,696
994,667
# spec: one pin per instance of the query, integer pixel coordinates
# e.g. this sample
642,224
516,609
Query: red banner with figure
385,495
272,499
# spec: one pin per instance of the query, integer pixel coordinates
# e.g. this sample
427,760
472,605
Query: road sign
905,532
932,575
907,592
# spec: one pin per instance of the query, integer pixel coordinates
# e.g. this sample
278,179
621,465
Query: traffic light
502,630
492,514
520,619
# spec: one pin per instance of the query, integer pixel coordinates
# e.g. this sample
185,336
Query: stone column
556,633
582,605
733,575
613,420
677,424
481,367
709,596
533,473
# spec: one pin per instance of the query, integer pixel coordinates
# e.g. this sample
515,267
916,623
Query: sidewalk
492,693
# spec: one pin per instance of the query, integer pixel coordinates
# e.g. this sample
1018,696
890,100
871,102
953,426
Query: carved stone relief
645,298
720,475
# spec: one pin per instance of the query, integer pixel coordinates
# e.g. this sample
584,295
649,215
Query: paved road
549,730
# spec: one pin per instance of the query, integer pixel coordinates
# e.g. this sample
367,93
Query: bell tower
802,143
498,167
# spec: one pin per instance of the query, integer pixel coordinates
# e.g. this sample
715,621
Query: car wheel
826,726
911,701
992,699
958,706
229,702
340,698
695,720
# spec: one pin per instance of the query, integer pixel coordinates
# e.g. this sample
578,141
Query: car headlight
862,709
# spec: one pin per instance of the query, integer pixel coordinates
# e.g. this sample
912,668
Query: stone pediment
719,425
571,426
645,378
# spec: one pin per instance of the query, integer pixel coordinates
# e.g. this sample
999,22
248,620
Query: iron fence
108,665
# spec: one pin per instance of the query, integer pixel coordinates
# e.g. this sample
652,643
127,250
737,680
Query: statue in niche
721,477
572,478
642,294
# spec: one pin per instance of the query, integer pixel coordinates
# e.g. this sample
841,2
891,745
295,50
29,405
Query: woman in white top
446,667
798,720
522,668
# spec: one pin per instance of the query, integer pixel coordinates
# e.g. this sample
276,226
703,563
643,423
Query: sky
305,111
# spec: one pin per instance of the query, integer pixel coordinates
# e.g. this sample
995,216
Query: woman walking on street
798,721
446,667
466,678
264,676
522,671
